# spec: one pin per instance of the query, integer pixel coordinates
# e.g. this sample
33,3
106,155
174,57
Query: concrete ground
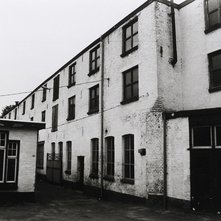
59,203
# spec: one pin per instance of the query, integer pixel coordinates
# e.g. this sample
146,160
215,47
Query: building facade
136,111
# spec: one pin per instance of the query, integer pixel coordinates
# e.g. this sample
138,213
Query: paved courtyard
59,203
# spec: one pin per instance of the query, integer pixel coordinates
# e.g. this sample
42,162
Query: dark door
80,172
60,145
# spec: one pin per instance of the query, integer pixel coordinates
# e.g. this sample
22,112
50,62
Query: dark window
128,163
130,37
94,60
43,113
72,74
40,155
202,136
32,101
110,156
94,99
95,156
71,108
54,118
69,156
15,116
53,148
218,136
9,116
24,107
215,70
56,88
213,14
130,85
44,93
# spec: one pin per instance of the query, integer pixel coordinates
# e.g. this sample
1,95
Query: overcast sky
38,36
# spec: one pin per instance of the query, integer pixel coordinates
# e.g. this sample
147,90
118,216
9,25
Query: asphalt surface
59,203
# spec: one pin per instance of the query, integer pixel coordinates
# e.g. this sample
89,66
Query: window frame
15,114
56,85
54,126
43,116
71,108
211,71
44,93
94,158
40,155
24,108
72,75
124,38
32,101
132,98
96,60
92,107
110,157
69,157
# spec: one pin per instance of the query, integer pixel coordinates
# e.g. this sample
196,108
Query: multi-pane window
130,36
72,75
24,107
130,85
54,118
95,156
32,101
215,70
15,116
43,114
94,60
69,156
44,93
56,88
71,108
3,137
110,156
213,13
128,164
94,99
40,155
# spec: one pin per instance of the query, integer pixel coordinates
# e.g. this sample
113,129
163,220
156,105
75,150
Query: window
43,113
32,101
94,60
215,70
212,14
110,156
40,155
94,99
53,149
201,137
32,119
54,118
130,37
72,74
95,157
44,93
23,110
9,116
130,85
15,116
128,164
69,157
71,108
56,88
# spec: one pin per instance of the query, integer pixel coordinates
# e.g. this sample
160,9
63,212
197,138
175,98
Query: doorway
80,166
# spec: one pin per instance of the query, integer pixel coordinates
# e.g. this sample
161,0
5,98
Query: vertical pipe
165,161
102,117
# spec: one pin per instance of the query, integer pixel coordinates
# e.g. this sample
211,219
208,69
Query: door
60,146
80,161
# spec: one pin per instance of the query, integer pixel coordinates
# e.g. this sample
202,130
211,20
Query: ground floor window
40,155
95,156
109,156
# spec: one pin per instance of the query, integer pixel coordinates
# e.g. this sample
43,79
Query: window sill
213,28
92,72
71,85
93,176
214,89
127,181
129,100
67,172
109,178
70,118
125,53
92,111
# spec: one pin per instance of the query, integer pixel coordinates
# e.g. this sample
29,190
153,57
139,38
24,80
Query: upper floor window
24,107
110,156
71,108
95,157
72,74
43,116
130,37
44,93
212,14
9,116
32,101
94,60
215,70
56,88
15,116
94,99
54,118
130,85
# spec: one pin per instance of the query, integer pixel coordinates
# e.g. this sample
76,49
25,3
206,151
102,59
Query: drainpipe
173,61
164,161
102,117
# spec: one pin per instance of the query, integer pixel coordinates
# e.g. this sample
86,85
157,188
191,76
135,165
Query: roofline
121,22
